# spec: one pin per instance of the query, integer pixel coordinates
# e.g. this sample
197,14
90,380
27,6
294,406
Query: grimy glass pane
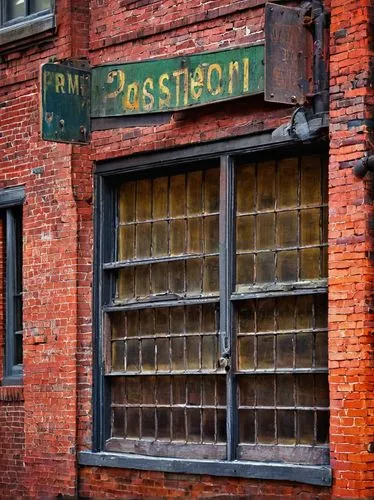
322,427
245,269
285,390
221,426
163,423
310,227
118,324
118,390
179,425
246,353
211,234
193,425
286,313
148,385
287,235
146,324
132,355
132,323
208,352
195,235
245,189
288,181
304,390
211,190
305,427
321,350
14,9
265,351
246,390
287,265
148,354
194,271
177,195
177,237
209,391
133,423
125,283
194,193
163,355
143,240
127,202
142,281
161,320
304,350
265,426
163,387
247,426
321,389
133,390
194,386
265,267
159,277
118,355
209,319
286,427
246,317
284,350
143,200
265,185
176,277
211,274
265,231
245,233
265,395
177,320
193,318
148,423
321,310
160,197
265,315
177,353
160,238
208,426
39,5
126,242
221,390
304,312
193,352
118,423
310,180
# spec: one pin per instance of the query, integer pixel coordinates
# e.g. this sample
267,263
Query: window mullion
226,276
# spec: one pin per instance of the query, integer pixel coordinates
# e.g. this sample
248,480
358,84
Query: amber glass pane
310,227
160,239
265,395
265,315
148,422
127,202
132,323
245,234
118,427
132,355
118,324
143,200
284,350
194,193
163,423
211,190
304,350
177,236
160,198
118,355
208,426
288,180
133,423
247,426
177,354
304,390
148,354
177,320
211,234
286,427
179,390
194,391
310,180
310,263
245,269
304,312
193,317
146,323
287,229
286,313
176,276
159,277
126,242
211,274
208,353
193,352
247,394
285,390
177,195
125,283
194,235
246,353
265,231
194,276
245,189
118,390
246,319
321,350
143,240
142,281
265,185
305,427
287,265
193,425
163,356
178,425
265,426
265,351
265,267
163,390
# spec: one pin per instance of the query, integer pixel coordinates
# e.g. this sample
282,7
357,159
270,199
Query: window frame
25,26
106,174
11,201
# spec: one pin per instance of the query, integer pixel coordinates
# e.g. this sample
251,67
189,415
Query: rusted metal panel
288,48
65,107
178,83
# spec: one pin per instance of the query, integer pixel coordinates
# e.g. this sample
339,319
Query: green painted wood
65,110
178,83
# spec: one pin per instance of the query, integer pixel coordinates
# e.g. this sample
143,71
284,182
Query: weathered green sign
65,103
178,83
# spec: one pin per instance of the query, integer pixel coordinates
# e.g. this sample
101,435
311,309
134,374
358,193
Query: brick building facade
90,405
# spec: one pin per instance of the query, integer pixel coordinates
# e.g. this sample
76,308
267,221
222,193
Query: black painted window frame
106,178
11,201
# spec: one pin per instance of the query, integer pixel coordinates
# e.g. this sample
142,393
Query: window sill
26,29
308,474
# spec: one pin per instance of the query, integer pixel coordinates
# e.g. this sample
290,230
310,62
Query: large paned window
214,311
19,10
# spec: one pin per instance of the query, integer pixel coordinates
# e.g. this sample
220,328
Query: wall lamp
364,166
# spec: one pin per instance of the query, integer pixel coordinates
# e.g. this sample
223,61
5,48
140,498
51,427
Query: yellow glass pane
265,267
211,234
160,198
125,283
143,240
211,274
211,190
177,236
245,234
143,199
310,227
177,277
194,235
160,239
194,193
265,315
310,263
132,356
245,189
265,185
287,234
265,231
142,281
244,269
127,202
208,352
117,324
118,356
126,242
177,195
287,265
159,277
246,353
194,276
288,181
311,180
246,318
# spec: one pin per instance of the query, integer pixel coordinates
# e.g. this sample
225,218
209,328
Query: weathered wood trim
26,29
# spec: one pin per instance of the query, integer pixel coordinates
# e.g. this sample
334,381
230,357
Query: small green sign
178,83
65,103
